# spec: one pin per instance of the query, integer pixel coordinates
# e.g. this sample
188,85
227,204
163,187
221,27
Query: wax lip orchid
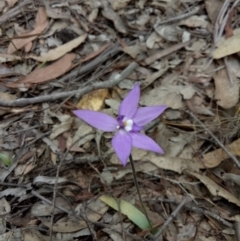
129,123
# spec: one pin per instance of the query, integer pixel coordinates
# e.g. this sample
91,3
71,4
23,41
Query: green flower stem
138,191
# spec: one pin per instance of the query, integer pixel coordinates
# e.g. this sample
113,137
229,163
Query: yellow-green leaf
5,159
129,210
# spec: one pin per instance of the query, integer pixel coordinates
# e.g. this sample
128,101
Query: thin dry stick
170,219
14,11
234,159
180,17
195,209
80,92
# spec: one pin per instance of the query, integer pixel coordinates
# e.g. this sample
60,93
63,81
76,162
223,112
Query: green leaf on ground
5,159
135,215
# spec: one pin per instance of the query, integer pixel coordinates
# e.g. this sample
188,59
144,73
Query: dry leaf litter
60,179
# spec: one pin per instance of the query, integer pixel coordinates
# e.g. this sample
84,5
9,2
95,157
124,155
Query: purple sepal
122,144
98,120
129,105
144,142
145,115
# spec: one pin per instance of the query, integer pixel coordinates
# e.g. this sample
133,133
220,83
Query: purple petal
129,105
145,115
144,142
122,144
98,120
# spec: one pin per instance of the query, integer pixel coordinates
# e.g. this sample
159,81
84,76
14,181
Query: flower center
127,124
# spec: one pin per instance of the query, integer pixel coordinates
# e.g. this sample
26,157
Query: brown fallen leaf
94,100
214,158
41,24
110,14
170,95
162,53
95,53
227,46
195,22
8,58
175,164
11,3
39,76
94,211
120,4
213,8
59,51
6,97
215,189
197,105
226,93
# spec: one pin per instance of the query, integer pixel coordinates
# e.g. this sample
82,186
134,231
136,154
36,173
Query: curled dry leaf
11,3
170,32
215,189
214,158
174,163
55,13
187,232
84,134
94,100
119,4
8,58
40,209
233,177
109,14
213,8
43,75
64,126
59,51
197,105
135,50
168,95
94,211
41,24
49,180
195,22
226,93
4,206
227,46
16,192
6,97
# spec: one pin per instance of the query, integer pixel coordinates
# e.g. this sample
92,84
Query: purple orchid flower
129,123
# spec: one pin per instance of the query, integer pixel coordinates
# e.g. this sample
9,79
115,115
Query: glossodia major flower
129,123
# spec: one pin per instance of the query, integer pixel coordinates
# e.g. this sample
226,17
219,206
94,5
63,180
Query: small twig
195,209
81,91
180,17
14,11
162,53
178,183
170,219
138,191
234,159
228,70
208,213
50,203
